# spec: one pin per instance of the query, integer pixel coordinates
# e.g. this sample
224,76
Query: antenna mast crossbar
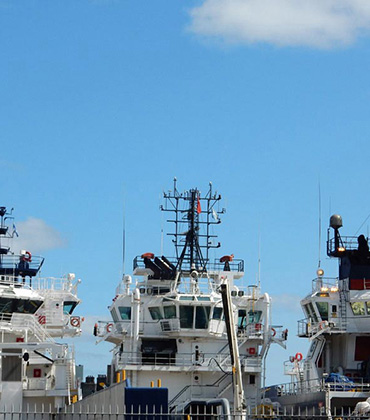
189,242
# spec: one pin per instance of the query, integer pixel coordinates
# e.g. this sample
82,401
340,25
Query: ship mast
191,213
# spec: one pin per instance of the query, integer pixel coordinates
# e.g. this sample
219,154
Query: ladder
343,299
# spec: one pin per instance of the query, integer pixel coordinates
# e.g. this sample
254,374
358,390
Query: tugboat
37,373
335,375
185,322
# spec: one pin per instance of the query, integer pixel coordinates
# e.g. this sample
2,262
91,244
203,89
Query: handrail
319,385
204,360
28,323
39,283
215,384
216,265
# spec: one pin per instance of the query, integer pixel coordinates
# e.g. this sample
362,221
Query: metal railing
31,326
307,327
350,243
16,265
322,284
177,359
54,283
209,361
319,385
216,265
263,411
40,283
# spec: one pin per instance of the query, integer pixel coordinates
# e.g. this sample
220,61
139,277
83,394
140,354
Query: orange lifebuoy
273,332
149,255
299,357
109,327
75,321
27,256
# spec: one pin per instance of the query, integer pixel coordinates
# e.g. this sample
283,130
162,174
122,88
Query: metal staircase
343,299
70,375
32,329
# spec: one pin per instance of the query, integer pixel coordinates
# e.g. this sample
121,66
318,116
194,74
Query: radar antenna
191,212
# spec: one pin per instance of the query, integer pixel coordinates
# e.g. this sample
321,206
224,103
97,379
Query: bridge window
242,318
68,307
368,307
186,316
156,313
202,317
254,316
358,308
23,306
323,308
169,312
160,290
125,312
217,313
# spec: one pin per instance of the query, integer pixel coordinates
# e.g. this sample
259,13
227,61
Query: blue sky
104,102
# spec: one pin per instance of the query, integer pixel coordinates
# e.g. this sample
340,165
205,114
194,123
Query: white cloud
311,23
36,236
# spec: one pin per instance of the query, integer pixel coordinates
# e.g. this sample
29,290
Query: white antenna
259,258
123,235
320,271
319,224
162,233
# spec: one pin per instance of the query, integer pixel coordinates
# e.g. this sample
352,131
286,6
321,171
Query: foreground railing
197,413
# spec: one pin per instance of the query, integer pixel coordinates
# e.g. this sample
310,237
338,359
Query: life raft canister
149,255
227,258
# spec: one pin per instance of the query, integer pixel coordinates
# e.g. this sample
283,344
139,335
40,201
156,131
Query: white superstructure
168,320
36,372
335,373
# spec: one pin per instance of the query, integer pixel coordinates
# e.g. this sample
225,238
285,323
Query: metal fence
102,413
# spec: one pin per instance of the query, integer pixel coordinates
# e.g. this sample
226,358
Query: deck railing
319,385
210,361
148,412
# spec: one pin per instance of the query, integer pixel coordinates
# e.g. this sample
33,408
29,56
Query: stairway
343,299
32,328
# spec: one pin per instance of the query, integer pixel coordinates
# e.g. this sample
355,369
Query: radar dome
336,221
